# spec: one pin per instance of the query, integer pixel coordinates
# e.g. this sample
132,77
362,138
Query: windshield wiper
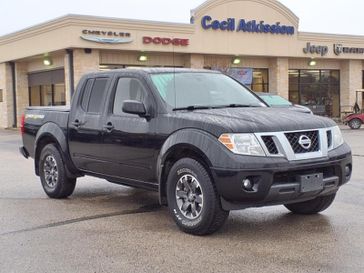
233,105
236,105
192,107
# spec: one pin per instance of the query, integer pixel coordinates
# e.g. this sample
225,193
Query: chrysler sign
106,37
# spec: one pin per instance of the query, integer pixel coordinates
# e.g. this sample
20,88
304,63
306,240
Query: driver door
128,143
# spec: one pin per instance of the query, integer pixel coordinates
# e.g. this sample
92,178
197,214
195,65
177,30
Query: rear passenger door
84,128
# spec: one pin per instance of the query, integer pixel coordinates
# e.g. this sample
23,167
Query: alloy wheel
50,171
189,196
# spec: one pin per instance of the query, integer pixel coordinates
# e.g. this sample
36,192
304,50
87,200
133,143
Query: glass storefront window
260,80
34,96
47,95
59,94
47,88
294,86
316,89
309,76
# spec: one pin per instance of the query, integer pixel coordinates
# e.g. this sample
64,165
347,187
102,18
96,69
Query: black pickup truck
200,139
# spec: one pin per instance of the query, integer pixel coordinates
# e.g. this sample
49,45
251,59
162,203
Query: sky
323,16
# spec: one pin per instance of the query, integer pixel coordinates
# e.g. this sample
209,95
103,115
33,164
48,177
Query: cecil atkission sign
241,25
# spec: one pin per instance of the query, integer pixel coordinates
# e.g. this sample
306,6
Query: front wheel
355,124
193,200
52,173
312,206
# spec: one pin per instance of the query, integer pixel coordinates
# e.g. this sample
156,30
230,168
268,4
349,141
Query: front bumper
276,180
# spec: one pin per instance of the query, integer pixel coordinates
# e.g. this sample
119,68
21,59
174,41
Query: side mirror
134,107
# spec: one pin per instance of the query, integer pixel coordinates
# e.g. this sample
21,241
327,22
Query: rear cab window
93,95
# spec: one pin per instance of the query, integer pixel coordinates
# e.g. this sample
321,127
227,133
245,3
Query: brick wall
84,63
22,90
278,77
350,81
6,107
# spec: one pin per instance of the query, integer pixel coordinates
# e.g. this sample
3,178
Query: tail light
22,123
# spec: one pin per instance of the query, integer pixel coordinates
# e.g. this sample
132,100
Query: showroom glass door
317,89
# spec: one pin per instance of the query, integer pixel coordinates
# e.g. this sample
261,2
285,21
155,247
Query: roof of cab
156,70
153,70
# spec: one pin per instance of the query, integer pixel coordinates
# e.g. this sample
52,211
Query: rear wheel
312,206
52,173
193,200
355,124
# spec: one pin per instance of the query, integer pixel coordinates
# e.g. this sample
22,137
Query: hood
294,107
301,108
252,120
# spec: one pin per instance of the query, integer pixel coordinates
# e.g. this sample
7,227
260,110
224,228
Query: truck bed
37,116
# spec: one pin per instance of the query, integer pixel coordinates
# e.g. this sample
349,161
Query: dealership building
256,41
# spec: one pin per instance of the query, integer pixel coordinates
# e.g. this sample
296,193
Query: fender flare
199,141
53,131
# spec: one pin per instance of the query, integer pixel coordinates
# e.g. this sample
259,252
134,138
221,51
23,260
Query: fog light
347,171
248,184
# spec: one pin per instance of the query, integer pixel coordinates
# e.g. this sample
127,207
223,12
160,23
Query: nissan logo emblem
305,142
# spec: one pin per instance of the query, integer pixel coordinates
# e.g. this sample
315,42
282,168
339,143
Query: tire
355,124
52,173
314,206
197,208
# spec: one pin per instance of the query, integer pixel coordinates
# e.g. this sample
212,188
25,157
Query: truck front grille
271,146
329,138
294,140
297,145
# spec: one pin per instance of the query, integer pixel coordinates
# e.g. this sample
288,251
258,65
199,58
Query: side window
127,89
96,95
86,94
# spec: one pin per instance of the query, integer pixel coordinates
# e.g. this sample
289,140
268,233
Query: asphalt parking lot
109,228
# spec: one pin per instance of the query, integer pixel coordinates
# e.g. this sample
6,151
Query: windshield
274,100
182,90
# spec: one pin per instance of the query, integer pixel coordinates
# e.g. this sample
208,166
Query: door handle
76,123
109,127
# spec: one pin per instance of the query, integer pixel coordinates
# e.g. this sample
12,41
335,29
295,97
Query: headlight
337,137
244,144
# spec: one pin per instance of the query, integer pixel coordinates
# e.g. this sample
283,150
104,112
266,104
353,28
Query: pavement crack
358,155
143,209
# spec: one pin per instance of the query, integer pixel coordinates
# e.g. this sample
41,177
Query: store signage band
106,37
165,41
242,25
314,49
338,49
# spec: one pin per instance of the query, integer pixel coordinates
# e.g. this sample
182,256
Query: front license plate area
311,182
